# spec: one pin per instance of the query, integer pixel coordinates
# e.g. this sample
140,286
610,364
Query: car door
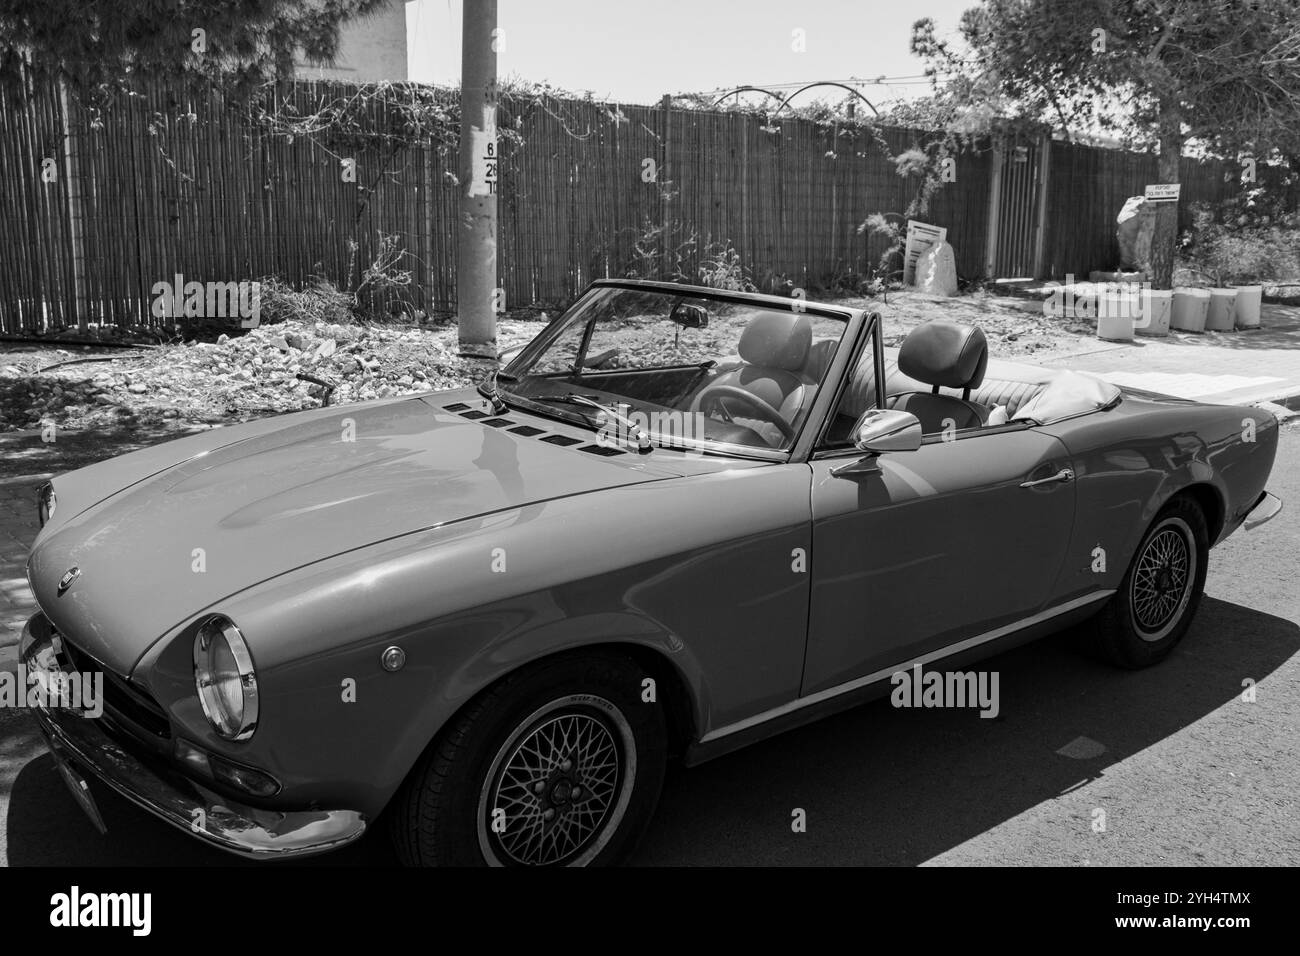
940,545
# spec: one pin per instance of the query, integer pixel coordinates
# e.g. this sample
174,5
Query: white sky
635,51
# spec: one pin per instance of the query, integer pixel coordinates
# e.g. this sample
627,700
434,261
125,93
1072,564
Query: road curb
1284,409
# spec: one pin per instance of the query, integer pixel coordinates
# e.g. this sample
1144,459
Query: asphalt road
1185,771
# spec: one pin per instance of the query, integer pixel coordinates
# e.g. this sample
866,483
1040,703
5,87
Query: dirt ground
1016,328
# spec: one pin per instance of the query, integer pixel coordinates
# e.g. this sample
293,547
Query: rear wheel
1160,592
560,765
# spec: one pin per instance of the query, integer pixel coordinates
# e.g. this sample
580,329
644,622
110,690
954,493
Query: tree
1225,74
98,46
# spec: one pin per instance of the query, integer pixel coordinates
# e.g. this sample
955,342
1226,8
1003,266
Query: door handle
1065,474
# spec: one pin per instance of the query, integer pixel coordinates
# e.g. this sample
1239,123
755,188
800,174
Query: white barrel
1249,299
1222,316
1157,310
1117,311
1191,306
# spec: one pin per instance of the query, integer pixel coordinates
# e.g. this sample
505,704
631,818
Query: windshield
680,369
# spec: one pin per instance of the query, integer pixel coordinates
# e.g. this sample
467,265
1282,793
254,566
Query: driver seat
774,354
948,354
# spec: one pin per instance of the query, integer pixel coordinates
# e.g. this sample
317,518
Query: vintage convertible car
679,521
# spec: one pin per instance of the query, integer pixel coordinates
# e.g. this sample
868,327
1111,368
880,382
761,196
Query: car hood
234,511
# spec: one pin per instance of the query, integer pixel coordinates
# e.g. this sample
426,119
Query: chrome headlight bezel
216,632
46,502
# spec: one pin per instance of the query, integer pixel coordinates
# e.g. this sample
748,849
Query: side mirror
689,316
886,429
878,431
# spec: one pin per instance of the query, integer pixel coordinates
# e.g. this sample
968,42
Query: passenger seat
943,354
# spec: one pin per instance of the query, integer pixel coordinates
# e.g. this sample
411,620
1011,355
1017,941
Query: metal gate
1017,204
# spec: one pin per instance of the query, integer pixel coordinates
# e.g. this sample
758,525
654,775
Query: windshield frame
851,318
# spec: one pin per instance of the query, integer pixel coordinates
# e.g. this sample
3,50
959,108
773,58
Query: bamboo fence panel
188,187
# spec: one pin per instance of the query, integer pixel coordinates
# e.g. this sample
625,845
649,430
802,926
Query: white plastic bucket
1222,316
1117,312
1157,310
1249,298
1191,306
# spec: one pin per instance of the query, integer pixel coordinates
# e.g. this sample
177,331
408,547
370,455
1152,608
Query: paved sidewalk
1231,368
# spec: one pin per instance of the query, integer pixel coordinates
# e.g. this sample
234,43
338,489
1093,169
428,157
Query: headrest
776,340
945,353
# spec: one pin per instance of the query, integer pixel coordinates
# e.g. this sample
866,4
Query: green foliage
937,111
1242,241
1245,256
99,47
383,277
848,282
319,301
660,251
721,268
1227,72
380,116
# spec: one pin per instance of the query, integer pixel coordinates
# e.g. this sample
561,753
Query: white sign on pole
920,237
1163,192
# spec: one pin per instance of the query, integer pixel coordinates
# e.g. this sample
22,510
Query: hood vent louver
530,431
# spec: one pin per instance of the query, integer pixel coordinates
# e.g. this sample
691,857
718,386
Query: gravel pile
239,378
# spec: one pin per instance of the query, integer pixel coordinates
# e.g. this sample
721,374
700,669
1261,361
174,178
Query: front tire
558,765
1161,591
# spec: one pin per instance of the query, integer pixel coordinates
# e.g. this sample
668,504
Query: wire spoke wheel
559,785
1163,577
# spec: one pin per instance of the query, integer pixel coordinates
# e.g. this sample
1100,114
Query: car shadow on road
880,785
887,786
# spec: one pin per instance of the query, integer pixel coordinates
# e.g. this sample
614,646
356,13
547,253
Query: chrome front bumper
174,798
1266,509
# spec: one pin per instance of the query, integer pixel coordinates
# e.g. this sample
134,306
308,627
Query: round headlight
224,678
46,502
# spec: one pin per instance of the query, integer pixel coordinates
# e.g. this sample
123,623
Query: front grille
126,705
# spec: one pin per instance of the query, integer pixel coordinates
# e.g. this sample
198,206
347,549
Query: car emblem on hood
69,576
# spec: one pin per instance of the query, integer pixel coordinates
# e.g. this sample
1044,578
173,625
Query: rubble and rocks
238,378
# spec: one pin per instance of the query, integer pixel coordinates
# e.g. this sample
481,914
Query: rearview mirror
878,431
689,316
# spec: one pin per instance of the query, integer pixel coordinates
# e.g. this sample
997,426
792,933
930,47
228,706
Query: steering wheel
718,395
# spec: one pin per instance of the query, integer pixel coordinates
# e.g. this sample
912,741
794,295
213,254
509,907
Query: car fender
1131,460
337,728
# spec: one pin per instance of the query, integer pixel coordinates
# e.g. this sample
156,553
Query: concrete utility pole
72,152
476,270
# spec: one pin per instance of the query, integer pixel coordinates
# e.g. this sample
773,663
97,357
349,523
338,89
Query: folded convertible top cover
1067,394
